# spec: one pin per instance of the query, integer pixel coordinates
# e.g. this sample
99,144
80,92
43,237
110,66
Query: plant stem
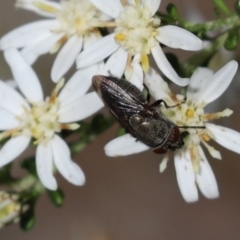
202,56
229,22
27,183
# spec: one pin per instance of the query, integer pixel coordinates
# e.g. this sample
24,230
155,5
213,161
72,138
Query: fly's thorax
151,130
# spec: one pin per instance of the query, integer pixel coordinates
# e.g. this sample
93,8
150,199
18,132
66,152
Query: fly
133,112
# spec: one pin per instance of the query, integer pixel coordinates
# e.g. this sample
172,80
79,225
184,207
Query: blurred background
126,197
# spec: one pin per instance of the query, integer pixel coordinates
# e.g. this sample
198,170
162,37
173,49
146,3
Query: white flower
72,25
10,208
192,167
32,117
137,34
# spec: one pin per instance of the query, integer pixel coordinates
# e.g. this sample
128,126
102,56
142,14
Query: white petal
97,51
29,5
226,137
78,84
163,164
131,2
27,38
218,83
137,77
123,146
66,57
26,34
32,51
7,120
166,67
11,83
197,82
24,75
44,165
90,39
205,178
116,63
213,152
11,100
62,159
153,5
137,73
176,37
13,148
80,108
185,176
158,88
111,8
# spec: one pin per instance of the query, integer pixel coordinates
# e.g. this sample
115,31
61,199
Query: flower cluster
116,38
192,167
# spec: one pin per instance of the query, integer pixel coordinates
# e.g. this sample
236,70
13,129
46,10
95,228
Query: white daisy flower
137,34
31,117
192,167
72,25
10,208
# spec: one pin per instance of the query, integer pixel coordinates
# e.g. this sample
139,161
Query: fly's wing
122,99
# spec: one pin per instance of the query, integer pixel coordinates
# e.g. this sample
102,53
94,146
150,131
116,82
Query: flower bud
231,42
10,208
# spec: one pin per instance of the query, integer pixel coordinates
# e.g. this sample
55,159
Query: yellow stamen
119,37
205,137
212,116
8,210
174,98
128,67
58,44
44,7
72,126
56,90
123,2
194,155
145,62
190,113
8,133
78,21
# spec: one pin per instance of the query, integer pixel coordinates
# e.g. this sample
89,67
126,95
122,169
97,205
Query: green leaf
27,221
237,7
232,40
29,165
100,123
172,11
221,5
57,197
27,218
172,58
121,131
5,174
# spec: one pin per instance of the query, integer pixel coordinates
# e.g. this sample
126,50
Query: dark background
127,198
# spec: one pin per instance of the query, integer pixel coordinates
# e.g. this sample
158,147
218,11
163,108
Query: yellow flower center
78,17
190,113
193,117
9,208
40,121
136,30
